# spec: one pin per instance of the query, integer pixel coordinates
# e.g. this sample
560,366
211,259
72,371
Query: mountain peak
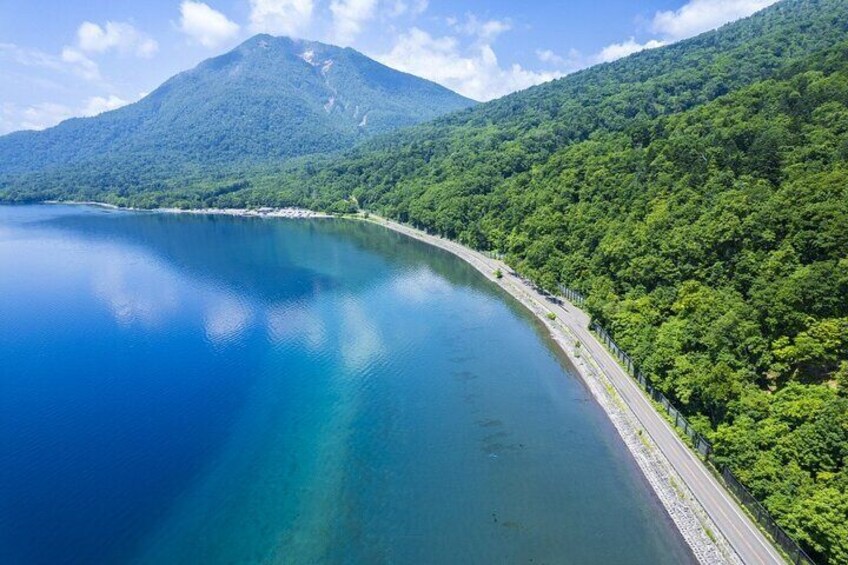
268,99
284,43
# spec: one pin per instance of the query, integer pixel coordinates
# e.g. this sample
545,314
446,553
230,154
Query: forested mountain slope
269,99
698,194
714,245
471,151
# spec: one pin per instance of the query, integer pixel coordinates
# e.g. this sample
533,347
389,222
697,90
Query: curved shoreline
569,329
701,533
265,212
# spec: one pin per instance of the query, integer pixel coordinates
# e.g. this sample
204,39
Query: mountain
697,194
270,99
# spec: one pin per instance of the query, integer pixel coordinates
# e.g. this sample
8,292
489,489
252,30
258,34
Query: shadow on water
268,258
280,260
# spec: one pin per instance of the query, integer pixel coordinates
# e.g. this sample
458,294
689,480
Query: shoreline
262,212
705,539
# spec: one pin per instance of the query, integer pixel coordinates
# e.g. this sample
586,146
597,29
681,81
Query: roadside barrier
572,295
791,548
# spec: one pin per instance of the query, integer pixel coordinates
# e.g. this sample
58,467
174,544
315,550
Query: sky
66,58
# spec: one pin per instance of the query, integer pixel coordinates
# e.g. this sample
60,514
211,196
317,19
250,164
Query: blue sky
61,58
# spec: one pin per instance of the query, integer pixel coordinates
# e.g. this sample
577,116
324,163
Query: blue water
180,389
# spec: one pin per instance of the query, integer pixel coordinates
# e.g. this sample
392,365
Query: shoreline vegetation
702,534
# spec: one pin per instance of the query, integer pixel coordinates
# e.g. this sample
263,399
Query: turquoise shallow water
180,389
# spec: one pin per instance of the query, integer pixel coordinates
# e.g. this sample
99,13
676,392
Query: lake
199,389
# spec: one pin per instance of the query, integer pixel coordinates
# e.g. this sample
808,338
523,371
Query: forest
713,243
696,194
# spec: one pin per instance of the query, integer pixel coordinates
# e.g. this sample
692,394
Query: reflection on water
217,390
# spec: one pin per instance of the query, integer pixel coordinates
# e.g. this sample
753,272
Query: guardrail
794,551
700,443
572,295
790,547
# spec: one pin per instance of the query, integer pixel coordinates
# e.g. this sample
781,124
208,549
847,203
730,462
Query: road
742,534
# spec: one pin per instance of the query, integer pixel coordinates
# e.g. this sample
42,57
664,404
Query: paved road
741,533
745,538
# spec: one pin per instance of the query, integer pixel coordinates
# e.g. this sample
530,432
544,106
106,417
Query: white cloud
99,104
204,25
698,16
7,124
80,64
28,57
287,17
573,61
693,18
474,72
548,56
48,114
41,116
122,282
349,16
485,31
123,37
70,60
402,7
464,59
625,48
420,286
